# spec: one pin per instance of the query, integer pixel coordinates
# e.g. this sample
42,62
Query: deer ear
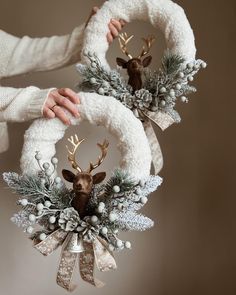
121,62
99,177
147,60
68,175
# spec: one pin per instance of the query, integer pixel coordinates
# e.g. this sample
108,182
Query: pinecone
114,76
127,100
91,233
142,99
69,219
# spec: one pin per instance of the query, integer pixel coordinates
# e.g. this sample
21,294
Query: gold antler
104,148
74,140
124,40
149,42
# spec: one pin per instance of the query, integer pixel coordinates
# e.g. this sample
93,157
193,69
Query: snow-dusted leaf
12,179
132,221
21,219
151,185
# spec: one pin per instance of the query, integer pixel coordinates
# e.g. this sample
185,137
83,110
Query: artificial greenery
171,63
161,88
46,205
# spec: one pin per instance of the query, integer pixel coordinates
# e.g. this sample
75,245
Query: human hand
59,98
115,26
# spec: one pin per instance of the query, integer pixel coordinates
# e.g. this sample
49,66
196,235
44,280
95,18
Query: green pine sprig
171,63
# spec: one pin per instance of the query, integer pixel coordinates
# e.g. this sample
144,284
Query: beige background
192,248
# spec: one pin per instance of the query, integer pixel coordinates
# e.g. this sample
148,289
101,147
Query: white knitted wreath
48,211
104,111
151,105
166,15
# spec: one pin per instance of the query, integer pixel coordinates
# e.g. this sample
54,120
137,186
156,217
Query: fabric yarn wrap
166,15
97,110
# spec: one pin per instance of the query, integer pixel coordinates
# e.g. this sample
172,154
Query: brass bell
74,244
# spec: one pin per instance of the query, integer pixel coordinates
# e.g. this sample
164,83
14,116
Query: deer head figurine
83,181
135,65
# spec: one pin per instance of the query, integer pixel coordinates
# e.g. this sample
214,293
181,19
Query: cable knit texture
166,15
25,55
98,110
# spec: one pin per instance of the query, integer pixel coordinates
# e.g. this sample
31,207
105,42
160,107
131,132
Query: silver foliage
150,185
27,186
21,219
129,220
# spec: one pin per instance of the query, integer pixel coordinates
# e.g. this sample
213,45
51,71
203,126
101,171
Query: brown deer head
134,65
83,181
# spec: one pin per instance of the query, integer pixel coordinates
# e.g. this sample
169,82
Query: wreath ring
166,15
103,111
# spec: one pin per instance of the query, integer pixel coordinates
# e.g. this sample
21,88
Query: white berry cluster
41,210
178,86
47,171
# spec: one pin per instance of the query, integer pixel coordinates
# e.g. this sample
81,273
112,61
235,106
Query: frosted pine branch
27,186
152,183
131,221
21,219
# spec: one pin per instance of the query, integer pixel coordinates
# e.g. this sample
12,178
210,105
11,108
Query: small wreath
160,89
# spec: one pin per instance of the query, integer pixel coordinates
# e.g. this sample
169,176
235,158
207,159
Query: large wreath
86,220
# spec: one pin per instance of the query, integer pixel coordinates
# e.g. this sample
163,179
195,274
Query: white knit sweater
25,55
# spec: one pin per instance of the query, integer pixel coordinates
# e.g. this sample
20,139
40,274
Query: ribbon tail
157,157
104,258
87,263
67,267
51,243
161,119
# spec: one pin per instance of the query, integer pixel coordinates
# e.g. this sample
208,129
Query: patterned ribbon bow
75,250
163,121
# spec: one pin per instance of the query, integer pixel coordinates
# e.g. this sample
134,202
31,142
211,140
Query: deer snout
78,187
83,184
135,66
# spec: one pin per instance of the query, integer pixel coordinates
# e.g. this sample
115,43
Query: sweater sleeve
21,104
24,55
